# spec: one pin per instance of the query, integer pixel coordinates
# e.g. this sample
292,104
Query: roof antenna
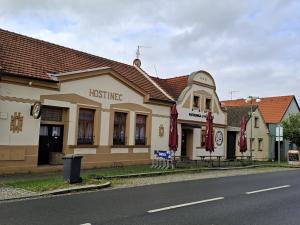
231,93
155,70
137,62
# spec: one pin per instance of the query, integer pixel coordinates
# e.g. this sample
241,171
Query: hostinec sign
105,94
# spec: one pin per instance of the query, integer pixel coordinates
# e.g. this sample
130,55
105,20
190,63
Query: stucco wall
260,132
100,155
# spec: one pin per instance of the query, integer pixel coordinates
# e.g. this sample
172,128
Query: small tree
291,128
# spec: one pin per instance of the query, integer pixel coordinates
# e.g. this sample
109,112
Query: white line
268,189
183,205
86,224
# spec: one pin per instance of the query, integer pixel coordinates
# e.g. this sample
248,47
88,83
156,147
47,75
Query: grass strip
101,176
47,184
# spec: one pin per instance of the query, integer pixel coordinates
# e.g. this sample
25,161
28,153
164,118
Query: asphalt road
261,199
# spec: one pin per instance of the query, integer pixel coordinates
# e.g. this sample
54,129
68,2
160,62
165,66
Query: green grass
109,172
41,184
47,184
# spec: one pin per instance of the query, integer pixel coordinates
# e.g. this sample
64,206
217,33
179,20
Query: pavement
132,180
10,193
265,198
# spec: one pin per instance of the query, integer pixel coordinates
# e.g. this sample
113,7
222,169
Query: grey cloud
250,46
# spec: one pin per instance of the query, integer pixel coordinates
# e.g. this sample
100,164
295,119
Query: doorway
187,143
231,147
183,143
50,140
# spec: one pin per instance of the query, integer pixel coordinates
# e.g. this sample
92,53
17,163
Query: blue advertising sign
162,154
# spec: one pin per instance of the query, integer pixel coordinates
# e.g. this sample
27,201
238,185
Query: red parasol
173,135
243,137
209,143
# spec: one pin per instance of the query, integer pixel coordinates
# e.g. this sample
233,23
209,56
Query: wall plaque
16,123
161,130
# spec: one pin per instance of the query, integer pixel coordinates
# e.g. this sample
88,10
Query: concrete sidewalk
10,193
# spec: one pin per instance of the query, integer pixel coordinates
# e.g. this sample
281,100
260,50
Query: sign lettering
197,115
105,95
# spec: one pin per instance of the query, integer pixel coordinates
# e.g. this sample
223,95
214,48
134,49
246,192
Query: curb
162,173
76,189
62,191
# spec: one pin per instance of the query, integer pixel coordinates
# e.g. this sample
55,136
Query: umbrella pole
173,163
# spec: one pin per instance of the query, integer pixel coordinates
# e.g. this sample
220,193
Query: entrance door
183,143
51,140
231,140
187,143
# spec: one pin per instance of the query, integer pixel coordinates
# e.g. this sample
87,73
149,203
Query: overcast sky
251,47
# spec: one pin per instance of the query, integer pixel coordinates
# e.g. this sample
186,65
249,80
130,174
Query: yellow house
55,101
257,133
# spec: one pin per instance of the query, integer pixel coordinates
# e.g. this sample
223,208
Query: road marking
86,224
185,204
268,189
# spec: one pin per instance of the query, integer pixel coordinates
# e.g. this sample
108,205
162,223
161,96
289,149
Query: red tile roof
174,86
272,108
26,56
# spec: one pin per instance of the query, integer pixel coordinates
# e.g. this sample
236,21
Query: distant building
260,133
273,110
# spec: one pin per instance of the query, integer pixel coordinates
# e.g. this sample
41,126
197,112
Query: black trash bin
72,165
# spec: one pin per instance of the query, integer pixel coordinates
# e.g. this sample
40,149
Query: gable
202,78
104,88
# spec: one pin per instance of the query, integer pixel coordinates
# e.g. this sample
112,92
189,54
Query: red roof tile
26,56
174,86
272,108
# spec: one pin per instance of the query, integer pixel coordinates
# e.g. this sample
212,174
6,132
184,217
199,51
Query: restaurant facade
195,95
56,101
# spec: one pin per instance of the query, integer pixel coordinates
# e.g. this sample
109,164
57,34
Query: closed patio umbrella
243,137
209,143
173,135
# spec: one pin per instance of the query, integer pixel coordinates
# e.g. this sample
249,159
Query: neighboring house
259,132
109,112
195,95
274,110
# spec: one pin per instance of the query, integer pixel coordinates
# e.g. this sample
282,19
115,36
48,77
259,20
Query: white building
195,95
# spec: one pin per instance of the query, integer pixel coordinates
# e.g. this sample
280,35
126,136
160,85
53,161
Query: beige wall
96,156
261,132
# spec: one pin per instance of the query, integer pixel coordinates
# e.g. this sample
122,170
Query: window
196,102
119,128
208,104
140,130
203,134
260,144
49,113
86,127
43,130
256,122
